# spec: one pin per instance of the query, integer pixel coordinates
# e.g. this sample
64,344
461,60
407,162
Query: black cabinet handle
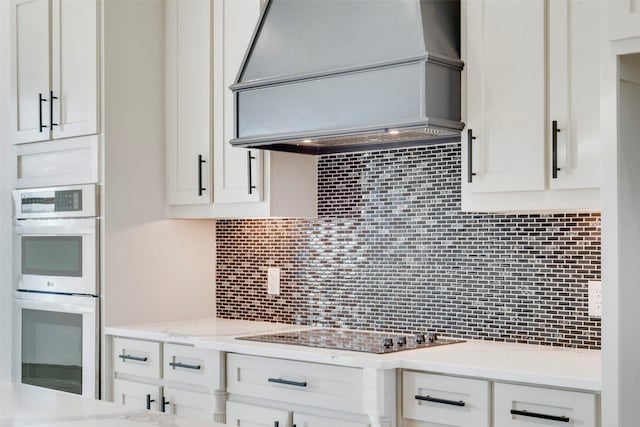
130,357
541,416
164,403
470,139
287,382
40,101
276,424
200,162
443,401
51,98
249,158
184,365
554,149
149,400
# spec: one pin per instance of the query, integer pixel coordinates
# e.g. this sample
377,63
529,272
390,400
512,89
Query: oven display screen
52,201
52,255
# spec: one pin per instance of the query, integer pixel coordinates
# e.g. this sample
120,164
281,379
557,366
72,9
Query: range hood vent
330,76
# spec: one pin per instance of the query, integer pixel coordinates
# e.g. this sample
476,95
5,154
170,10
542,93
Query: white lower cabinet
521,406
434,400
272,392
136,395
176,379
305,420
243,415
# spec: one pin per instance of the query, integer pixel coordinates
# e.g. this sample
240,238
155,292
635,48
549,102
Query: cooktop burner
362,341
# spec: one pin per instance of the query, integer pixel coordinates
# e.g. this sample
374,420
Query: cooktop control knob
387,343
432,337
401,340
420,339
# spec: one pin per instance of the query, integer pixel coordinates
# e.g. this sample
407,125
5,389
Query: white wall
154,269
5,200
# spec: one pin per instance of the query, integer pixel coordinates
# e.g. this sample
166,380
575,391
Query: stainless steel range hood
329,76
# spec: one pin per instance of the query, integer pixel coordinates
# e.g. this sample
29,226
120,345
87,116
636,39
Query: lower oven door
56,342
57,255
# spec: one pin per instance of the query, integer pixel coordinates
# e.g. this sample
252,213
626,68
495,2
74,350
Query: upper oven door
57,255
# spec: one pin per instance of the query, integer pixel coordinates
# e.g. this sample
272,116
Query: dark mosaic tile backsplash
392,251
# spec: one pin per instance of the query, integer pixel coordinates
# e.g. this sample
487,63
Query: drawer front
444,400
65,162
192,365
522,406
136,357
313,384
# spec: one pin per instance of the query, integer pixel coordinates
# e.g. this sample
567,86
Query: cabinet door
624,19
304,420
135,395
238,171
188,94
74,68
505,69
574,93
30,70
243,415
189,404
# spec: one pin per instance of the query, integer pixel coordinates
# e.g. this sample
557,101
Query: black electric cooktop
346,339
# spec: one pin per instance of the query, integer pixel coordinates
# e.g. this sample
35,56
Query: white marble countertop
532,364
23,405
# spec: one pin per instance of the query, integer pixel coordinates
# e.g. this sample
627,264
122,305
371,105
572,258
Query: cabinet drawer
313,384
136,357
66,162
516,405
444,400
191,365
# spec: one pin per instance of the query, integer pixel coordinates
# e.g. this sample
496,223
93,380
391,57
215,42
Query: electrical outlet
595,298
273,281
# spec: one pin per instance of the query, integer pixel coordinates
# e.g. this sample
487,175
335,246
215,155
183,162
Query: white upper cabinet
188,101
505,95
238,171
54,69
30,70
624,19
574,94
207,177
532,140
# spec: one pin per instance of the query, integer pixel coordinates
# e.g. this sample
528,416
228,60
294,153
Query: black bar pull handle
560,418
51,98
276,424
201,161
470,139
288,382
443,401
149,400
130,357
554,149
163,404
40,101
184,365
249,158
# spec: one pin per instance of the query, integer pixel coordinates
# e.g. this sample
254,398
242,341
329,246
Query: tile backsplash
391,250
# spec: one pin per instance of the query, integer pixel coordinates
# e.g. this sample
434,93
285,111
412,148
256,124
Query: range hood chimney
330,76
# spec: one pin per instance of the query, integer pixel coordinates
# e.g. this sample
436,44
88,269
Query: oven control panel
77,201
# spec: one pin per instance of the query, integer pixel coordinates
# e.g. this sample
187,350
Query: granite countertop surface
533,364
24,405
